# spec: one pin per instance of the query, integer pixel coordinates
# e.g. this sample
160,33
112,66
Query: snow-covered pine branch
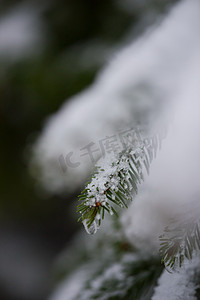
179,285
116,180
181,238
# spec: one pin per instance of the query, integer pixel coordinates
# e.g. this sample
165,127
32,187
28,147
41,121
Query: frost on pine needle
115,181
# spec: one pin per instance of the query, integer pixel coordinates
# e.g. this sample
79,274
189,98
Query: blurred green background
49,51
